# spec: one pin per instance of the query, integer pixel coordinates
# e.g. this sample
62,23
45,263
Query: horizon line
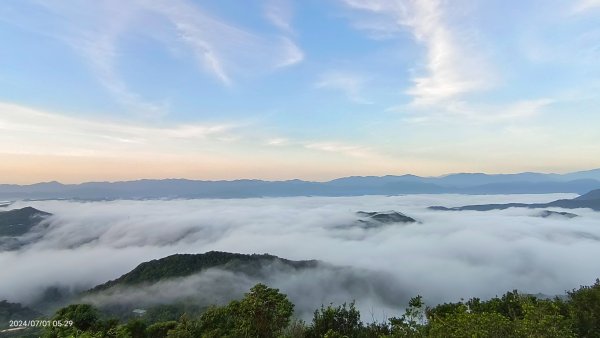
298,179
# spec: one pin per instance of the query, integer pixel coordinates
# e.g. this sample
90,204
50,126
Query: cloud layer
447,256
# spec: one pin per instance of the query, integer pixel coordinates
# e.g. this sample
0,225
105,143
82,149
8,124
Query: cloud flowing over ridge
447,256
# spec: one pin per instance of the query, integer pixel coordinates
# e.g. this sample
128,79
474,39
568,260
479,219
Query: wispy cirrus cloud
341,148
29,131
582,6
220,48
350,84
453,64
291,54
101,56
477,113
95,38
50,133
277,141
279,13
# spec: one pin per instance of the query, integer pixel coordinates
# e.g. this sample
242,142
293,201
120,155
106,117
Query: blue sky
278,89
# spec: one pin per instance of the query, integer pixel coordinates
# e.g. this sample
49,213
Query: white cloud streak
479,113
279,13
350,84
95,39
341,148
220,48
454,65
30,131
291,54
583,6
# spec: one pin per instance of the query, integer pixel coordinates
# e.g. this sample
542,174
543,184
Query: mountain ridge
459,183
589,200
182,265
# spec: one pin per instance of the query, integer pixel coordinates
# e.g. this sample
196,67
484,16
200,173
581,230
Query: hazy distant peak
592,195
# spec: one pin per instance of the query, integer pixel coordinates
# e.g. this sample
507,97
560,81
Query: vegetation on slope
181,265
266,313
11,311
19,221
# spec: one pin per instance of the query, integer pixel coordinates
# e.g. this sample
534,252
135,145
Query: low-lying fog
445,257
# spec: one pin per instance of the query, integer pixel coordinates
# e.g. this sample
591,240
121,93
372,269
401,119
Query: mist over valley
379,263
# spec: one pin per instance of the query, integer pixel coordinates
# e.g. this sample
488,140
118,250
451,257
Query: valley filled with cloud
445,255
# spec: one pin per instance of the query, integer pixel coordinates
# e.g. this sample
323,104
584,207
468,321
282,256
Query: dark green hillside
12,311
181,265
19,221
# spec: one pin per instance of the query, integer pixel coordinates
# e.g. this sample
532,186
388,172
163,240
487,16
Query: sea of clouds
448,255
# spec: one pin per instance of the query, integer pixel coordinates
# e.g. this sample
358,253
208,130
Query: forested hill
18,221
180,265
13,311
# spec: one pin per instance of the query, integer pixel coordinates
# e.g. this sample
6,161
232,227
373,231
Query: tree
412,323
343,320
220,321
543,319
584,308
465,324
160,329
186,328
136,328
264,312
83,316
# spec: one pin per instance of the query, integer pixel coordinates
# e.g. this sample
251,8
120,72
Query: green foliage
266,313
160,329
412,322
464,324
543,318
181,265
136,328
342,321
584,309
166,312
512,315
85,318
11,311
186,328
509,305
220,321
296,329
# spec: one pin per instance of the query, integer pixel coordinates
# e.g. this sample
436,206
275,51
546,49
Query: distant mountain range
463,183
590,200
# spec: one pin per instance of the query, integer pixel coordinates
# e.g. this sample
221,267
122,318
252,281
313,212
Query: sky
281,89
